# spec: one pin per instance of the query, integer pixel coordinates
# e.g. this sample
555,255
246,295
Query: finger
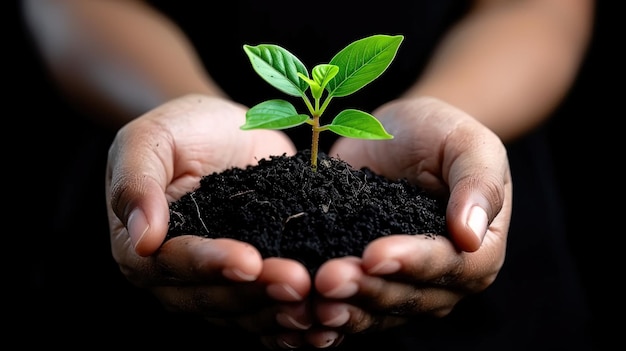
270,324
224,302
351,318
254,313
284,341
423,258
415,258
338,278
380,298
281,327
254,306
287,280
433,261
480,190
324,338
190,258
246,305
397,296
135,182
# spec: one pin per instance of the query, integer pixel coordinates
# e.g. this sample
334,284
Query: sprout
349,70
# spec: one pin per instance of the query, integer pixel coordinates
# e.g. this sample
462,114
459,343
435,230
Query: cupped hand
159,157
449,153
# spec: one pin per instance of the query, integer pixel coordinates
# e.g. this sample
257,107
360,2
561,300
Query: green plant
348,71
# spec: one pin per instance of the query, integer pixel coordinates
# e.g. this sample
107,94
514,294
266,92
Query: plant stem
315,141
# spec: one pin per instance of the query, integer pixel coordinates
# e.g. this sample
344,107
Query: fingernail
283,292
137,226
477,221
340,319
287,344
329,338
385,267
289,322
238,275
343,291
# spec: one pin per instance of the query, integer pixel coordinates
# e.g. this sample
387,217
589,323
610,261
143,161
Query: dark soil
285,209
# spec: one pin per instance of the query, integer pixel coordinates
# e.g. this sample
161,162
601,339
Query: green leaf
361,62
278,67
322,74
273,114
316,89
358,124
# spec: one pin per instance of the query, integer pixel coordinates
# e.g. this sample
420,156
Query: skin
479,92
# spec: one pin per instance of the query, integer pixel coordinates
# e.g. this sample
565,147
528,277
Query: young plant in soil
348,71
310,207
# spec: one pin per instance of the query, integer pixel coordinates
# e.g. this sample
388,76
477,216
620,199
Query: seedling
349,70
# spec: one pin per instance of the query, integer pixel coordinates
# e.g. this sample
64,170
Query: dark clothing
536,302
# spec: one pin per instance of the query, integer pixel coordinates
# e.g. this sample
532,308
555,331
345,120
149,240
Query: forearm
117,59
509,64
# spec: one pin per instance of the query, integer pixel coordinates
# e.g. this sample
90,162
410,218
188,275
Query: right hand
399,277
157,158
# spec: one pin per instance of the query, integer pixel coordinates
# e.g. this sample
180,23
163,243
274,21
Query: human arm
115,59
510,63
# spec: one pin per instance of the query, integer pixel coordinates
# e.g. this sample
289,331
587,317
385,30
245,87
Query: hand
157,158
400,276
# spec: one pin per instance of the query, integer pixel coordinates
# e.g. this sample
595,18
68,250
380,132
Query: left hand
157,158
449,153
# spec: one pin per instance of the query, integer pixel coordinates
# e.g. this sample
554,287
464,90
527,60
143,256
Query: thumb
147,215
475,202
468,220
136,193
